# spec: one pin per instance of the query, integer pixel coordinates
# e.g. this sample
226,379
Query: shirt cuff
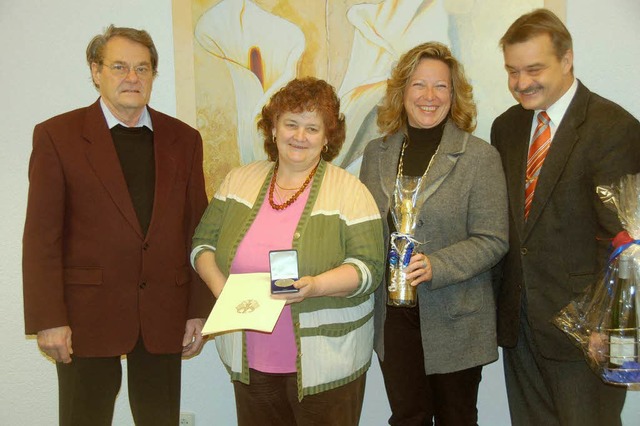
197,251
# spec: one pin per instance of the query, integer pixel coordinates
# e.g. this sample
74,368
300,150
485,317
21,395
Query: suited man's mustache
528,90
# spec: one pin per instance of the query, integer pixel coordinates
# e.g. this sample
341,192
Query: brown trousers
272,400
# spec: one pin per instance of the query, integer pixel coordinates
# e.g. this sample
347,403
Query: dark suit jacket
86,262
563,246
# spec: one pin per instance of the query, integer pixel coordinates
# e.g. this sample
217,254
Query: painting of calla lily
383,32
261,51
245,50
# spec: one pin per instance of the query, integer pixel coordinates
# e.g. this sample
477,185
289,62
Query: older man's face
125,93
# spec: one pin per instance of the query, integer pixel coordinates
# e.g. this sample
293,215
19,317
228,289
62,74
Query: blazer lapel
388,165
104,160
452,145
562,145
515,161
164,139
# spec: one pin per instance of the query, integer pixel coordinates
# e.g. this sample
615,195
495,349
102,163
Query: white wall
43,73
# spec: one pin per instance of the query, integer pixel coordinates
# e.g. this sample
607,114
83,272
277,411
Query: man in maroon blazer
116,191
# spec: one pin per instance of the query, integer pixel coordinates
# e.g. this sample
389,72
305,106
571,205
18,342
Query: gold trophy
407,204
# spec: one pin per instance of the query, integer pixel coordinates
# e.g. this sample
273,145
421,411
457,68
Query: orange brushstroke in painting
256,65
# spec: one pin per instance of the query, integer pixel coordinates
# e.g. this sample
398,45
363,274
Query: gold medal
285,282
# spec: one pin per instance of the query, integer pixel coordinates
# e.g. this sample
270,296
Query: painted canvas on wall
232,55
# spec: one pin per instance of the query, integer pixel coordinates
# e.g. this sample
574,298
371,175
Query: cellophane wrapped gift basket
604,321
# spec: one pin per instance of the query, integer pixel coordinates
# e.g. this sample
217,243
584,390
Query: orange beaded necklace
295,196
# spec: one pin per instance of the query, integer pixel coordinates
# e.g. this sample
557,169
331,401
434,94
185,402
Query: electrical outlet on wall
187,419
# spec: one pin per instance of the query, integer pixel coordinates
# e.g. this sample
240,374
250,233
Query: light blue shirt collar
112,121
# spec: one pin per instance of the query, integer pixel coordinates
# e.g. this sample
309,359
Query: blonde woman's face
427,96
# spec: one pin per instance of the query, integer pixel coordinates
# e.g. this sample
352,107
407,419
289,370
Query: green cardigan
340,224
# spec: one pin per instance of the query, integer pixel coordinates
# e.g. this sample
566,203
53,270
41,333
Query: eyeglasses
122,70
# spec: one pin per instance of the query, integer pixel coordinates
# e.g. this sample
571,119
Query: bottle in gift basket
623,337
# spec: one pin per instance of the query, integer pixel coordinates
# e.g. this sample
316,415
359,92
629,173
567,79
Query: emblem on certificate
247,306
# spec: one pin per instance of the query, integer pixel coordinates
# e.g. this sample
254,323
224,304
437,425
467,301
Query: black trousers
88,388
418,399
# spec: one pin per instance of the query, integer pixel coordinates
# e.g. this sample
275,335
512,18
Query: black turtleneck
421,145
134,146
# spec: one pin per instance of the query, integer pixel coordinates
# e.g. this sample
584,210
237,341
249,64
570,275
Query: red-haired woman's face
300,138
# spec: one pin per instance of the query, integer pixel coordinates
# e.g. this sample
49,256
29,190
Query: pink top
272,230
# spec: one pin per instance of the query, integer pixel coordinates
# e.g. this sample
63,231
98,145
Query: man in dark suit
559,230
116,191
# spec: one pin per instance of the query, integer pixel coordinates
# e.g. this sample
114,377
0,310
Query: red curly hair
299,95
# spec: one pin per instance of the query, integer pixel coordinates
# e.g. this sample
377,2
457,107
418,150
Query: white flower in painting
261,51
384,31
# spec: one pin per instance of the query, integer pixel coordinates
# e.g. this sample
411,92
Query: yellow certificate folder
244,304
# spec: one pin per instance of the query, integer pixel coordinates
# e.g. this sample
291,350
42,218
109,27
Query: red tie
537,153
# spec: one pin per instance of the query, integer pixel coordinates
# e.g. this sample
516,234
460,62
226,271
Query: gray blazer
464,226
562,247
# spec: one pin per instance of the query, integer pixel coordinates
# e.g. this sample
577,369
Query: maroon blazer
86,262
